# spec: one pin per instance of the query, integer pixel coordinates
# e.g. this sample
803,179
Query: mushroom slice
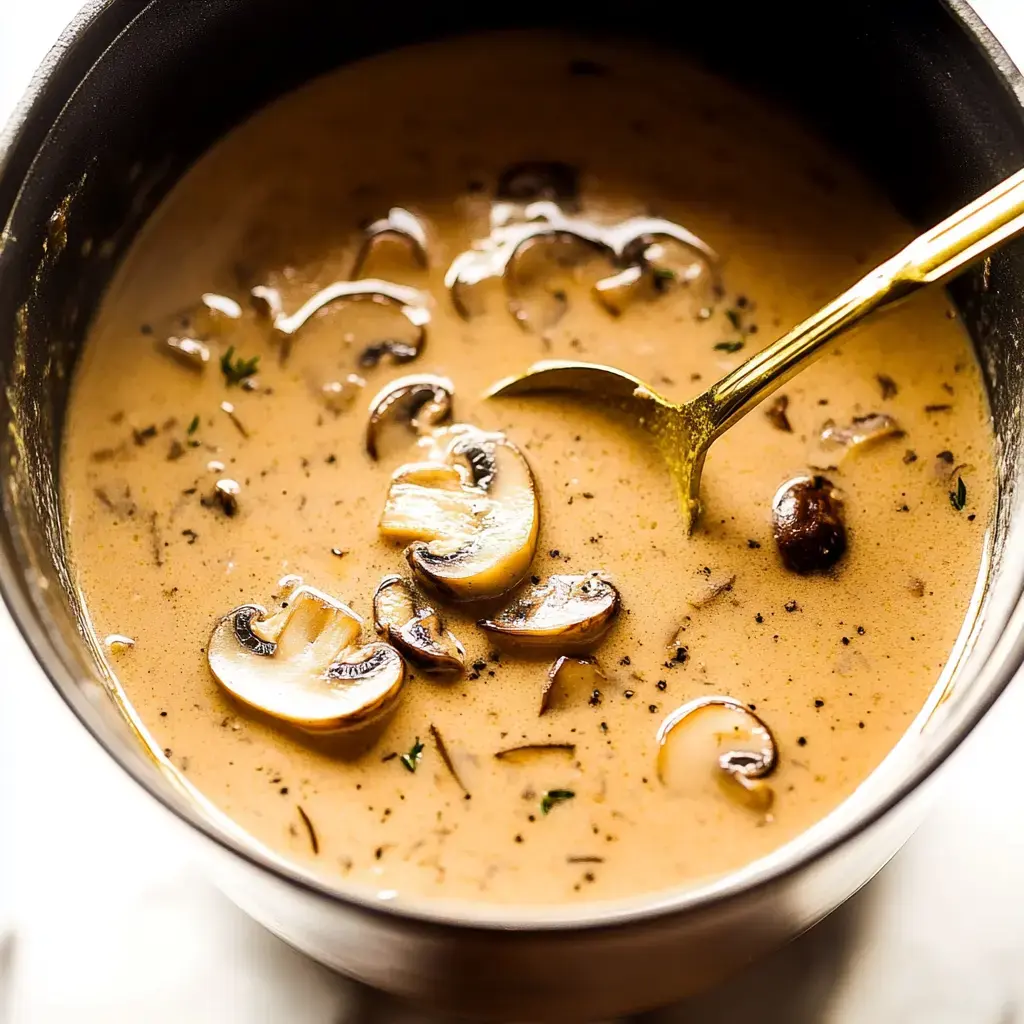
304,664
413,304
568,612
470,510
807,521
725,735
835,442
625,243
422,400
398,224
567,677
405,620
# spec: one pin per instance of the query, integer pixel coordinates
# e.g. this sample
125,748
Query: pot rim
91,31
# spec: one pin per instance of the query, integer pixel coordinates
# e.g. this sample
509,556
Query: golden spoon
684,432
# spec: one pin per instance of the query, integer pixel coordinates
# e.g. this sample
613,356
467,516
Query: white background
112,925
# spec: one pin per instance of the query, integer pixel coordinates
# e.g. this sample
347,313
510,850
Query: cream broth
836,663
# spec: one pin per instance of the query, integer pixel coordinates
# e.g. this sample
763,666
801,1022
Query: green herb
194,425
412,759
237,370
729,346
733,316
554,796
958,498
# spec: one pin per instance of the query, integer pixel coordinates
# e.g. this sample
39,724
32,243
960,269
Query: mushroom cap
304,665
567,612
423,400
404,618
470,511
807,523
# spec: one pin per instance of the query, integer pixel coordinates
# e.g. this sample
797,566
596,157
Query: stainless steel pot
917,92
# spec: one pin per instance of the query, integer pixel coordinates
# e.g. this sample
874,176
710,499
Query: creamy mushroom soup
442,645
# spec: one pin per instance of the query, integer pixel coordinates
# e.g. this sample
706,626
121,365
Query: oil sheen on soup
278,435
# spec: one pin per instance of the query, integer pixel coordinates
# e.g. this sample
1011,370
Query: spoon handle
966,236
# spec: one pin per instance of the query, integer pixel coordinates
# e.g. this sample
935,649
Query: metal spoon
684,432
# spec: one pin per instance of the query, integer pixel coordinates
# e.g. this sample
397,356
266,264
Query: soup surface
835,663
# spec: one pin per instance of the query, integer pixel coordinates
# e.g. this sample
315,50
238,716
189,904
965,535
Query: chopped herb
958,498
410,760
887,384
584,860
446,758
193,425
237,370
733,316
729,346
555,796
313,841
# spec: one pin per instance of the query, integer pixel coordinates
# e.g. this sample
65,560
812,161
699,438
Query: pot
921,97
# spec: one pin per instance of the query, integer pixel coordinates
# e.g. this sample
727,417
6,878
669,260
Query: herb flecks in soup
509,675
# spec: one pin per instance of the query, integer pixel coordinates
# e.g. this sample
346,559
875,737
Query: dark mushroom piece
403,617
304,664
807,521
568,612
470,510
399,224
423,401
725,735
530,180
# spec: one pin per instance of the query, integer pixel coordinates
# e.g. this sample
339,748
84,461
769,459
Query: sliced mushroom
568,612
569,676
398,224
402,616
807,521
471,512
861,431
423,401
192,352
413,304
725,735
625,243
188,330
304,664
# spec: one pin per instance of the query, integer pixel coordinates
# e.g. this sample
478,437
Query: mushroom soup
427,642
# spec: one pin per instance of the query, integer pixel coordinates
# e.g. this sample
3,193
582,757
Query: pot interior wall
902,87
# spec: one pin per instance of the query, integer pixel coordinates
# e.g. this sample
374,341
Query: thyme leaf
553,797
193,425
412,758
236,370
958,498
729,346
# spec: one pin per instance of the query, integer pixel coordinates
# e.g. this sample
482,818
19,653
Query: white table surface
113,924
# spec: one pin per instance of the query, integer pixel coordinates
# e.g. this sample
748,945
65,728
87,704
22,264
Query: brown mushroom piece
403,617
725,736
423,401
807,522
568,612
304,664
400,225
470,510
835,442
